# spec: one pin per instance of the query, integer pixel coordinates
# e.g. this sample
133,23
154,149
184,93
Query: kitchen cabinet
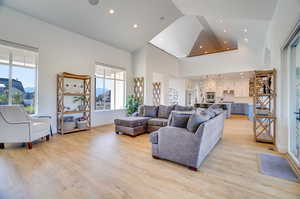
239,108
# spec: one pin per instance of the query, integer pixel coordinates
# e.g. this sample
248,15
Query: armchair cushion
14,114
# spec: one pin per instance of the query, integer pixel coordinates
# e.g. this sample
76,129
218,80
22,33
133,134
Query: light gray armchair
190,149
18,127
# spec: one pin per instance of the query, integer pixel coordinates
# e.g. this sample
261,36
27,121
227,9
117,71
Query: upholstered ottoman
132,126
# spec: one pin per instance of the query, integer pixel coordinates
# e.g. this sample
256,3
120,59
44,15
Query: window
18,76
110,88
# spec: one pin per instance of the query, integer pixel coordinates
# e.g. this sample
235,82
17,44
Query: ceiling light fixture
245,30
93,2
111,11
225,30
135,26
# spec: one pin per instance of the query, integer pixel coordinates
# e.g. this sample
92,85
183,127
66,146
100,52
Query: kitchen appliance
210,97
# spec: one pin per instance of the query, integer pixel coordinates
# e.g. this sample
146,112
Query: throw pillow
164,111
183,108
141,110
210,112
196,120
218,111
150,111
179,120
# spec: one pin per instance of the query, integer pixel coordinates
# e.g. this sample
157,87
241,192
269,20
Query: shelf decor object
264,106
77,87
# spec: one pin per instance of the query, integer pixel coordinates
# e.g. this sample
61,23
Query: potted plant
82,100
132,104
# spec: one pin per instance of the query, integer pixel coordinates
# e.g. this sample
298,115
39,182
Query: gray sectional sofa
182,146
147,119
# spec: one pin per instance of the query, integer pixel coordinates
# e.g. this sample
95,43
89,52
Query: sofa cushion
140,111
211,112
183,108
132,121
154,137
179,120
158,122
218,111
150,111
196,120
164,111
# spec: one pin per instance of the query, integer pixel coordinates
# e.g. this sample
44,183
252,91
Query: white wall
61,51
154,64
180,85
285,18
243,59
159,62
139,62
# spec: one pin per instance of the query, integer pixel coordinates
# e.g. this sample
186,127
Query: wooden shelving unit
264,106
62,93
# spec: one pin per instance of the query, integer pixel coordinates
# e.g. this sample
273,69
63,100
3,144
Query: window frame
10,46
115,79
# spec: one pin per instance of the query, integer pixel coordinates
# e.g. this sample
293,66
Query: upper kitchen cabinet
241,88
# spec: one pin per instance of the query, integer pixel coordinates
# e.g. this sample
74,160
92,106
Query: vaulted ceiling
222,26
179,27
98,22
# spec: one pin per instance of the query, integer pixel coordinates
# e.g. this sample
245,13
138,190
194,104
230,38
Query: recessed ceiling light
111,11
246,40
225,30
135,25
93,2
201,46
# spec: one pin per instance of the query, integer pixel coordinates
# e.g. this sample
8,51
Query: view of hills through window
18,77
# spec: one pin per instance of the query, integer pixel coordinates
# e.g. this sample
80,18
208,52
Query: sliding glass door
294,98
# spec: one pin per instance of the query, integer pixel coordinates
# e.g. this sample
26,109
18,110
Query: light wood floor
100,164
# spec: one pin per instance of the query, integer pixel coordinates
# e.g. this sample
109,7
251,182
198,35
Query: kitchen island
224,106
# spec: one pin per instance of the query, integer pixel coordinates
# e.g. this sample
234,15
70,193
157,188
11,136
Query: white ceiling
95,21
178,39
233,16
247,9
